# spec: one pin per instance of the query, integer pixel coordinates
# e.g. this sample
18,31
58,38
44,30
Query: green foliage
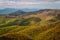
26,22
53,20
15,22
2,21
5,30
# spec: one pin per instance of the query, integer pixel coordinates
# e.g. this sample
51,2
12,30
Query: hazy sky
40,4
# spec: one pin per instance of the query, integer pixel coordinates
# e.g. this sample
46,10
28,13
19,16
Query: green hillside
35,26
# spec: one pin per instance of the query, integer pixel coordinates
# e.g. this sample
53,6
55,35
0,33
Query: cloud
29,4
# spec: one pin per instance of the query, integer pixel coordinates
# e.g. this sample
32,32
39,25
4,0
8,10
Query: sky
31,4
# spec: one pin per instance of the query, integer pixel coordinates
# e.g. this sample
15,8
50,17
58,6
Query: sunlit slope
50,34
36,33
35,26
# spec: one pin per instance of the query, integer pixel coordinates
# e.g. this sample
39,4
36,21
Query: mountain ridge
7,10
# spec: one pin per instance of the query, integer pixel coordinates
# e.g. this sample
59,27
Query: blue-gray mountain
7,10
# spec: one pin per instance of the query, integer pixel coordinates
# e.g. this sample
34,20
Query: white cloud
28,4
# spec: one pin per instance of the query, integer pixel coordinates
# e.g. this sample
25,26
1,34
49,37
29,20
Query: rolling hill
37,25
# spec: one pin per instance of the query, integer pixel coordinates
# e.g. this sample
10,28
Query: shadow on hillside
6,38
15,37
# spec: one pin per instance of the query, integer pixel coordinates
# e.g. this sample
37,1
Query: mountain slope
33,33
38,25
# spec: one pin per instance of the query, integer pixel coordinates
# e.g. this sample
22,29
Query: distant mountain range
16,12
11,10
7,10
44,11
29,10
19,12
24,12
